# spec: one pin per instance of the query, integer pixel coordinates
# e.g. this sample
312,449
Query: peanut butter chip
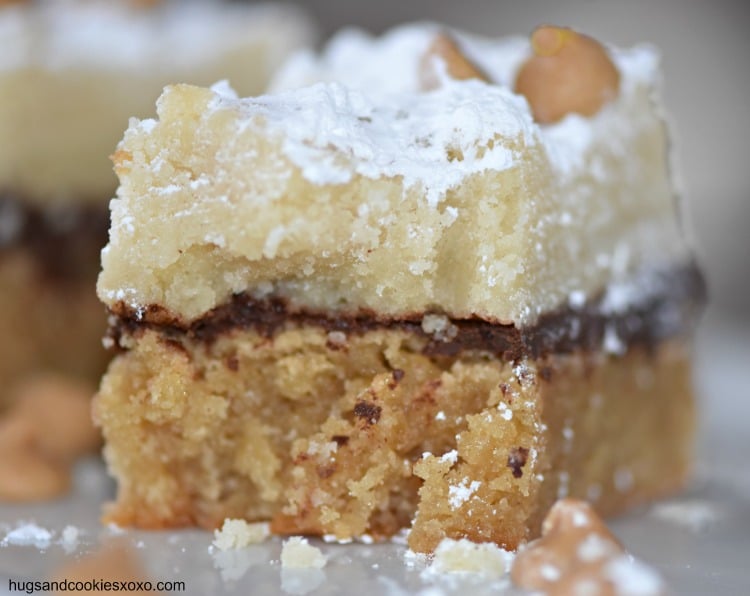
61,411
575,555
25,476
48,427
445,53
568,73
115,561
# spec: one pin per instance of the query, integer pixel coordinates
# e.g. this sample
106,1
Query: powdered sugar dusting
633,578
390,66
28,534
459,494
333,132
695,515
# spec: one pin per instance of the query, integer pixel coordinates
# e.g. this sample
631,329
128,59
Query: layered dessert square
427,283
71,75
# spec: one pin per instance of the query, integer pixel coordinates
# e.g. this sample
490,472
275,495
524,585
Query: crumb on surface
464,556
694,515
237,533
298,553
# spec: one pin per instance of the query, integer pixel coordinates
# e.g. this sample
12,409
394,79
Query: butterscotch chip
577,554
27,476
444,48
568,73
16,432
113,562
60,409
49,426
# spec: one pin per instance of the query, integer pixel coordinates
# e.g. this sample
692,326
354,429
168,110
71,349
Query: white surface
699,541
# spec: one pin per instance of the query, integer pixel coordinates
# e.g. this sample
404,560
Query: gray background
706,48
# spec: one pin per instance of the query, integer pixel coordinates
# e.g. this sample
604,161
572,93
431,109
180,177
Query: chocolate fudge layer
669,304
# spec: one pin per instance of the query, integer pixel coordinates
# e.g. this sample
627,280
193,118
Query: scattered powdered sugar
612,343
450,456
576,299
623,479
695,515
69,538
505,411
549,572
459,494
563,487
633,578
594,547
28,534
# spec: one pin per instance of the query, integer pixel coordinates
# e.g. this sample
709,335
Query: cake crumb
439,326
237,533
463,556
298,553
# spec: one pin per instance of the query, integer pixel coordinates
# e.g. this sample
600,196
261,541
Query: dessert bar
420,285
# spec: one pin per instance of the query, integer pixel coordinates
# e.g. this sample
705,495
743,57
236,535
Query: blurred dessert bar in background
71,75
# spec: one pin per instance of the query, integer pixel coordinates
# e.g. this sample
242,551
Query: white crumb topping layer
435,140
390,65
349,188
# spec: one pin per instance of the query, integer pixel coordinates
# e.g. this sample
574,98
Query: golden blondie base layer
366,433
48,322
